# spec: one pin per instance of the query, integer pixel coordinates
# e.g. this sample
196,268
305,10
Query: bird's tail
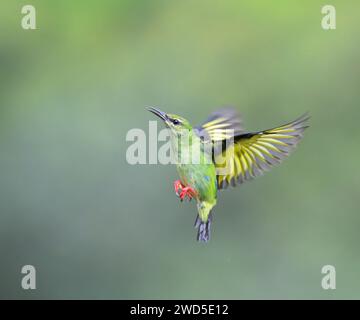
203,227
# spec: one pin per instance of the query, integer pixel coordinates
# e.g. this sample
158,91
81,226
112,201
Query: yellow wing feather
221,125
250,154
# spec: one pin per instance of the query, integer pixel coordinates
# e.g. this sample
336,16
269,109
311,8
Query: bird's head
174,122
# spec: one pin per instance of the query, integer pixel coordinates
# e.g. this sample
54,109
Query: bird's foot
187,192
178,186
182,191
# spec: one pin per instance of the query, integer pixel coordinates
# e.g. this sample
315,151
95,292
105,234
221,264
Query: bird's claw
178,186
187,192
184,191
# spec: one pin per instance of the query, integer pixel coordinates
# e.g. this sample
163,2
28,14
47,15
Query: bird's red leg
182,192
187,191
178,186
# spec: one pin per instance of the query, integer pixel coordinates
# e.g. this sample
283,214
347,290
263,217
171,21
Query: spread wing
221,124
250,154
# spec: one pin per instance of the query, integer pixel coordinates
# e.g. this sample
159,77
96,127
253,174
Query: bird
229,156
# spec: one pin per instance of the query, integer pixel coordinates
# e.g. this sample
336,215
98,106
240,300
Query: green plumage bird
226,155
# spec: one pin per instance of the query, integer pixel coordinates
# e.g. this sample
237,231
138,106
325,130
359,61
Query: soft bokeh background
97,227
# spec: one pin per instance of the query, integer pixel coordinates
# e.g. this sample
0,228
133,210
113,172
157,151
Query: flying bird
228,156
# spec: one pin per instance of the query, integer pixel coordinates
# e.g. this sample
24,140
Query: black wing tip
304,118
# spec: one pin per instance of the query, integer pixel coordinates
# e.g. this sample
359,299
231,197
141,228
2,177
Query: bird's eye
175,121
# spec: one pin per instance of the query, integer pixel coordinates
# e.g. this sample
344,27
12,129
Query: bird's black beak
158,112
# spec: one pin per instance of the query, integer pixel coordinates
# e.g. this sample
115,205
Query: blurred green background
97,227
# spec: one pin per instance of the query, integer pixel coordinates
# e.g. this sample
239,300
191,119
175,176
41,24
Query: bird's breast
202,178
